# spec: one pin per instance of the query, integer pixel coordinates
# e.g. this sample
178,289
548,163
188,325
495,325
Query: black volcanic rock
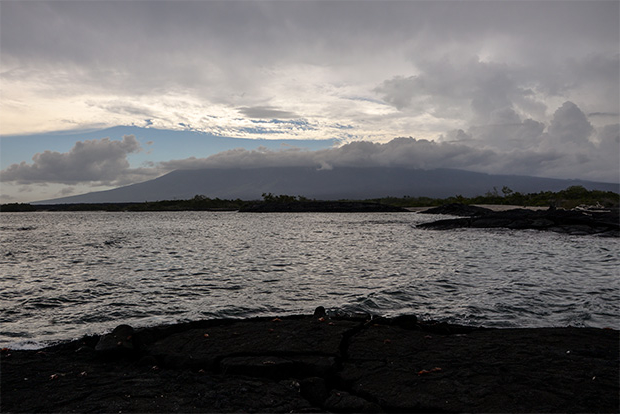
572,222
305,364
364,365
529,370
119,341
457,209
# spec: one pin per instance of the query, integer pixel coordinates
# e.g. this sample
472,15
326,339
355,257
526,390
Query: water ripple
69,274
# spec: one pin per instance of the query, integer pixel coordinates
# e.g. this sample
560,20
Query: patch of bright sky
157,145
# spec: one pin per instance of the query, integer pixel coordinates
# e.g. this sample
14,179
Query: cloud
124,108
501,86
570,125
509,136
608,142
399,152
67,191
399,91
446,65
266,112
101,162
604,114
561,150
465,88
568,147
608,138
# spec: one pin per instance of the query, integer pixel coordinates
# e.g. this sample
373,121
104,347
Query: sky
99,94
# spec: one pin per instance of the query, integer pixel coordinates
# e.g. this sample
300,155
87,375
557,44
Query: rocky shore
318,364
574,222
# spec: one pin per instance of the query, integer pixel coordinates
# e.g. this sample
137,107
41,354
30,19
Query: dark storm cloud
140,45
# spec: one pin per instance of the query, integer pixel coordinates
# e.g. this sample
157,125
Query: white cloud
457,62
570,125
560,150
563,152
466,88
99,162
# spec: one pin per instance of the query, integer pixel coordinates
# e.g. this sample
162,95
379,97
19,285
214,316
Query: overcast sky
523,87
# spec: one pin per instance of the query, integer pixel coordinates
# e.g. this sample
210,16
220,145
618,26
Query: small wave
17,228
26,345
239,266
35,303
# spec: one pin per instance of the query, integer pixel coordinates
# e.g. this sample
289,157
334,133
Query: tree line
569,198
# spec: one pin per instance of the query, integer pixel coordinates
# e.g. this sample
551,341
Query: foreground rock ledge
318,364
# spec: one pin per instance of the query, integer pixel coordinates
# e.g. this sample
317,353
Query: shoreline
573,222
492,207
318,363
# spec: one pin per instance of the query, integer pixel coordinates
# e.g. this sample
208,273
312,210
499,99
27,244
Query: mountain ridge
325,184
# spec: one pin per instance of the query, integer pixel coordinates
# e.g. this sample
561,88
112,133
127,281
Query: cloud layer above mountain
568,144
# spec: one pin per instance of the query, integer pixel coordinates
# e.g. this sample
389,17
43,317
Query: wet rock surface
320,364
572,222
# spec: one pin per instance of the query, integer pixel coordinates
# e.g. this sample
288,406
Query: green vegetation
569,198
198,203
284,199
12,207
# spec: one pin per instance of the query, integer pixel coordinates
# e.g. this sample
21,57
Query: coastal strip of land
604,222
318,363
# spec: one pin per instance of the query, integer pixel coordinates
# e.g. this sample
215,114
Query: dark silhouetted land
573,222
568,198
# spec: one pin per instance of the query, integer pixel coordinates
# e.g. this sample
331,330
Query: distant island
342,183
313,206
569,198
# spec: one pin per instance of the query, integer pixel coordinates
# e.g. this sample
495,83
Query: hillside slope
337,183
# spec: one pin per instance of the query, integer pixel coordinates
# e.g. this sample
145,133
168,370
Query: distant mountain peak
323,184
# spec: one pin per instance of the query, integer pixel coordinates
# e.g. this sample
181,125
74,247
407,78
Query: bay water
67,274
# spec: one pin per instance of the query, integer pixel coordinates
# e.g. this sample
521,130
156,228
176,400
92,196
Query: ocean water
65,274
